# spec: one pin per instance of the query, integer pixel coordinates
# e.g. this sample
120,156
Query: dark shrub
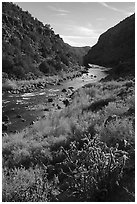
7,64
19,72
44,67
97,105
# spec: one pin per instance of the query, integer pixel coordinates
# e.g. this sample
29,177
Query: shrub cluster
87,174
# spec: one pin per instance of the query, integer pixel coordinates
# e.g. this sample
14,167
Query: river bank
23,86
23,109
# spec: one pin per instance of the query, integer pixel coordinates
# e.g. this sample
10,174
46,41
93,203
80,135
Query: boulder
60,80
46,109
66,102
39,85
71,87
50,100
64,90
58,106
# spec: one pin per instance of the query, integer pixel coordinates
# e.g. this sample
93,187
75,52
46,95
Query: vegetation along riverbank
29,85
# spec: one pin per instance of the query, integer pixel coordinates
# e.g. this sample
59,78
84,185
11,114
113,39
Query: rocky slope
116,46
31,49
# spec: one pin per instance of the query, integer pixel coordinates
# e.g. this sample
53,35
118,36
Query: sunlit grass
9,85
116,131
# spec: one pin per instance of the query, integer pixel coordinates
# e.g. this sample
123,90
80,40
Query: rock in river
23,120
71,87
64,90
46,109
50,100
58,106
32,123
58,83
66,102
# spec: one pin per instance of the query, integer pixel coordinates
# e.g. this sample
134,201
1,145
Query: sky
79,23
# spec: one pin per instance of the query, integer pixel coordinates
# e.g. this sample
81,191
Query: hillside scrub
78,153
115,48
30,46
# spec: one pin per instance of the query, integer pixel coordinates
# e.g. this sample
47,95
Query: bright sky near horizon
79,23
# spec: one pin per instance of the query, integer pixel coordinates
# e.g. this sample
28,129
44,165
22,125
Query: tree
7,64
44,67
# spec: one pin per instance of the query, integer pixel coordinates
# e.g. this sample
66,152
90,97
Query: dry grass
9,85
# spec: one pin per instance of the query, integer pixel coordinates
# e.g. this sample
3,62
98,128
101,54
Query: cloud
53,8
115,9
101,19
129,13
80,36
75,37
79,41
108,6
61,14
85,31
81,31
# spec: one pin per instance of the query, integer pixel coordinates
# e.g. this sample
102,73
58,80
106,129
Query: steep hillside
80,52
116,46
31,48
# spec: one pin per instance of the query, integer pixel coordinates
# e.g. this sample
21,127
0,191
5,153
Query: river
23,109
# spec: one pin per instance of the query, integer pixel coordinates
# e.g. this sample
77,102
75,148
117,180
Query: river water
23,109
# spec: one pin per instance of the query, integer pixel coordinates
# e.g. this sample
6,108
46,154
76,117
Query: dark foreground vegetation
85,152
